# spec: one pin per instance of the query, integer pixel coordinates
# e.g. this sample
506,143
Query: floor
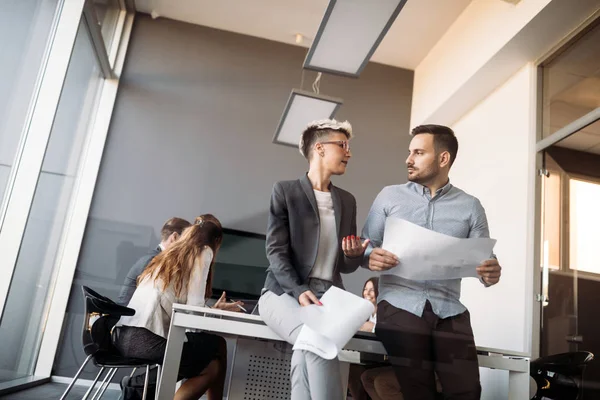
54,391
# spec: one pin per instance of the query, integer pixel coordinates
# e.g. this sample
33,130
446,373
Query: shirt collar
422,190
160,247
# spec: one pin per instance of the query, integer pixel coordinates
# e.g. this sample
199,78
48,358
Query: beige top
154,307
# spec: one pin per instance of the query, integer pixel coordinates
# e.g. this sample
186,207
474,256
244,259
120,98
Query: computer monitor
241,266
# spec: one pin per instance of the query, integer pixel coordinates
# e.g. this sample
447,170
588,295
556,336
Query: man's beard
424,176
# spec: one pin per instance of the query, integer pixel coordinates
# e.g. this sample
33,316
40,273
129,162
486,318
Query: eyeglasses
344,144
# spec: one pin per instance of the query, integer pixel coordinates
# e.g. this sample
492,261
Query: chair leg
158,370
108,371
146,380
89,391
75,378
104,387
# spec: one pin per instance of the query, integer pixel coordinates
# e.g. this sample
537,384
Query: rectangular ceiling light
349,34
302,108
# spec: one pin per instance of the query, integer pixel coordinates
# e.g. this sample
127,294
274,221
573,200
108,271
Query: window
26,306
107,15
571,82
584,229
25,34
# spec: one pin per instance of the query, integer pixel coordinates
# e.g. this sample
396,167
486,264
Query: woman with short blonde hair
311,241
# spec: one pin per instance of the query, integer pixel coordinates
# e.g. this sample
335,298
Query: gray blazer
293,235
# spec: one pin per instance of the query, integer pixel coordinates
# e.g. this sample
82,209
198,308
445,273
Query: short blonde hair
319,129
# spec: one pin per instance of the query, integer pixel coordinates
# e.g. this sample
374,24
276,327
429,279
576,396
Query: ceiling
586,140
418,27
572,82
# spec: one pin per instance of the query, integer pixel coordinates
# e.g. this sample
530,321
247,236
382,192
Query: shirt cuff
365,261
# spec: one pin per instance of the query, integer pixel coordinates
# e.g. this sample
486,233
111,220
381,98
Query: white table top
256,319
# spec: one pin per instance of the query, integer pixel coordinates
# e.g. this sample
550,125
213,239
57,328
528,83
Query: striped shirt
451,212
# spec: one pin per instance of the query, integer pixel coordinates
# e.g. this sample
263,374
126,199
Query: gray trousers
312,377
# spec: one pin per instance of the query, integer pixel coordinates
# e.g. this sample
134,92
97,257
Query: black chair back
101,315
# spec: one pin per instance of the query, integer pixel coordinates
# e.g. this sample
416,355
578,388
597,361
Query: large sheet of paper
329,327
428,255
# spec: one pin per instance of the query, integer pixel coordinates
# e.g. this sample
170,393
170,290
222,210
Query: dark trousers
418,346
199,350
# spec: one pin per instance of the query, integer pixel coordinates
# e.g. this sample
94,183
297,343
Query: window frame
28,165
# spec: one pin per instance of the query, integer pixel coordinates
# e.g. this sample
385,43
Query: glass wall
23,320
57,92
26,28
570,218
571,81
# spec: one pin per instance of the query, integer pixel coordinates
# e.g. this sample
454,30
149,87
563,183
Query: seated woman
370,292
180,274
357,385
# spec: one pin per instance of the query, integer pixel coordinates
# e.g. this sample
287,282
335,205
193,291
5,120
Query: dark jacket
293,235
131,280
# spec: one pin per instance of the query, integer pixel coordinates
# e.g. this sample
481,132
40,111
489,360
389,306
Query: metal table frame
237,325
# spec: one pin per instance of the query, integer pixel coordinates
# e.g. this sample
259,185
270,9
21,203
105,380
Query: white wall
481,31
496,163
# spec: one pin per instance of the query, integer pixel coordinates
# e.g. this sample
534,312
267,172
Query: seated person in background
370,292
380,383
170,232
180,274
376,382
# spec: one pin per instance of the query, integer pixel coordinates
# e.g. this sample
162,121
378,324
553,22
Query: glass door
570,264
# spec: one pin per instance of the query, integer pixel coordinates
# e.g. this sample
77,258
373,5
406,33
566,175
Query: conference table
261,359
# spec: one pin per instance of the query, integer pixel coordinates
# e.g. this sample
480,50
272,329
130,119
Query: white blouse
154,307
328,239
373,319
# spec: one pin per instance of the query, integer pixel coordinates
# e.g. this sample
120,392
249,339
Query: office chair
560,376
100,316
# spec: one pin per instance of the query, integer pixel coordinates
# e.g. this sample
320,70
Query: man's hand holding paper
382,260
489,271
428,255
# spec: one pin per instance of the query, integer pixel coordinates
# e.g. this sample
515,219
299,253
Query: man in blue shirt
422,324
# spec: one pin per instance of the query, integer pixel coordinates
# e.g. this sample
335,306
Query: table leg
230,366
170,368
518,385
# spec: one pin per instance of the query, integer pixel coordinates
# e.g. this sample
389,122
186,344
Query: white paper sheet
428,255
329,327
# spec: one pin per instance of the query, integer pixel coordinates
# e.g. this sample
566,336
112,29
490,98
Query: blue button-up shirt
451,212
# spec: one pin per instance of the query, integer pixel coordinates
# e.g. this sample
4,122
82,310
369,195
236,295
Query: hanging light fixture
301,108
349,34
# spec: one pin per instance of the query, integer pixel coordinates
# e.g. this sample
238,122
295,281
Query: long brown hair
174,265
